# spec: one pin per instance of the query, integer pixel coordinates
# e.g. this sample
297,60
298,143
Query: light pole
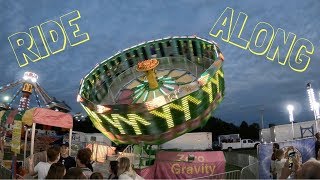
314,105
6,98
290,109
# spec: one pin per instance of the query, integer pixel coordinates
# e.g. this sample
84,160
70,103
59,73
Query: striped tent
37,115
32,117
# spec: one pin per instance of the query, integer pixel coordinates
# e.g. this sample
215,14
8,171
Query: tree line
214,125
220,127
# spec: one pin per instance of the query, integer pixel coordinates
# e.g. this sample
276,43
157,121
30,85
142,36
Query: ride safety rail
251,171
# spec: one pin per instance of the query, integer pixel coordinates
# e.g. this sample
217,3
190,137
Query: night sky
252,82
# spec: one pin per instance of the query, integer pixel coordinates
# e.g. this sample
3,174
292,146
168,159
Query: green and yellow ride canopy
154,91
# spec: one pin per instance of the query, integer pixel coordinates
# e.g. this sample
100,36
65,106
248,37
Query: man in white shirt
42,168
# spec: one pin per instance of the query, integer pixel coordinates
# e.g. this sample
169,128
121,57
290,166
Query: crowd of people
287,164
60,165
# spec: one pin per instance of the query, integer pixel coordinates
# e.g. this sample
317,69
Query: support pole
33,133
25,145
70,139
14,166
292,130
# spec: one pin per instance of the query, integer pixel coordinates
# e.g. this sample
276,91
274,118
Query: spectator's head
317,136
83,157
279,153
309,170
114,167
275,146
96,175
53,154
124,165
56,171
88,151
64,149
75,173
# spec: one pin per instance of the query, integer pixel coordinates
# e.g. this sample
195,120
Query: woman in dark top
56,171
113,170
275,147
317,144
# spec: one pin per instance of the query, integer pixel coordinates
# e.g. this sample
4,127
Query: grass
230,167
252,152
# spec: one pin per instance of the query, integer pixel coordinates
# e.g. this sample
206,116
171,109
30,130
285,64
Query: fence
227,175
248,163
5,173
240,160
250,171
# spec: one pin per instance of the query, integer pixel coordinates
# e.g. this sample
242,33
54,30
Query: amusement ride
25,88
154,91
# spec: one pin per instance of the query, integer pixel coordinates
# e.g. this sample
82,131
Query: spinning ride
154,91
27,86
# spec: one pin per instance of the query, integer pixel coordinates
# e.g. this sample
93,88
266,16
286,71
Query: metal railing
250,172
129,153
227,175
5,173
240,160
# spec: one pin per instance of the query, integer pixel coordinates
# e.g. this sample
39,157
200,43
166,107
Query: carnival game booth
16,122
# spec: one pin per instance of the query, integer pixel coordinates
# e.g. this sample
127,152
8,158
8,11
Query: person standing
42,168
83,158
275,147
113,170
56,171
125,170
65,158
317,144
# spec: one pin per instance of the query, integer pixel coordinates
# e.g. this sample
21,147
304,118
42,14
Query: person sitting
125,170
83,158
65,158
42,168
113,170
56,171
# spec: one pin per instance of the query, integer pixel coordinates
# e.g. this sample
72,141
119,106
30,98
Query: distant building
58,106
78,117
283,132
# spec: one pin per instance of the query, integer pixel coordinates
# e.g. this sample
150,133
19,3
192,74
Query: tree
244,130
254,129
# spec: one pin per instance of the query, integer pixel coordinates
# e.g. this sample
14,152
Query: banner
303,147
186,165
